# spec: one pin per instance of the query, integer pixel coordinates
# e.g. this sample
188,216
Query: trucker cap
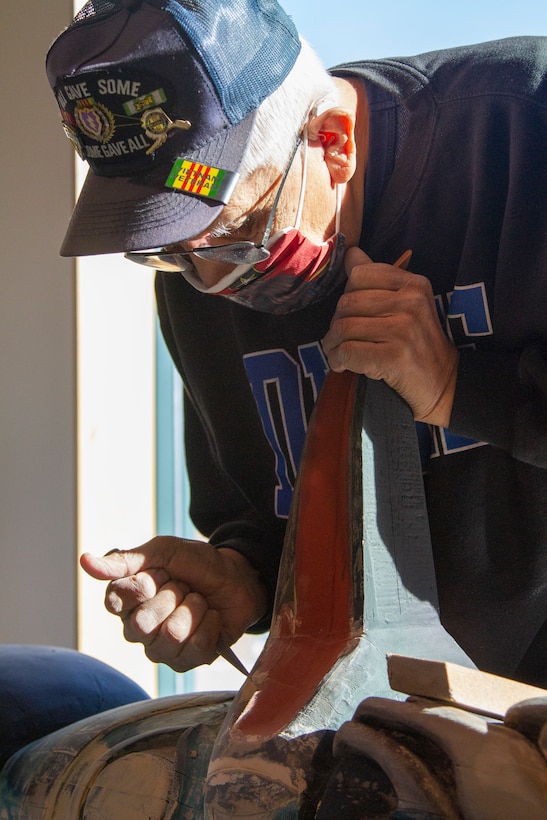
159,97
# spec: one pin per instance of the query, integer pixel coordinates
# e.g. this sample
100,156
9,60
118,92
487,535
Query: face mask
297,273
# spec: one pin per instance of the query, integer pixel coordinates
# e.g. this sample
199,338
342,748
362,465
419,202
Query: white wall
116,440
37,340
76,376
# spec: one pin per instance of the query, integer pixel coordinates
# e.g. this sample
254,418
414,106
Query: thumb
355,256
197,563
115,564
123,563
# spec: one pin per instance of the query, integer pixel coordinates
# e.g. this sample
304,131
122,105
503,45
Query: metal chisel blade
229,655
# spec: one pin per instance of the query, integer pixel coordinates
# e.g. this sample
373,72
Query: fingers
143,622
174,625
374,326
184,638
123,595
386,326
354,256
188,638
364,274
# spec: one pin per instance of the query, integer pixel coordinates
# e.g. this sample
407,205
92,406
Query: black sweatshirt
457,173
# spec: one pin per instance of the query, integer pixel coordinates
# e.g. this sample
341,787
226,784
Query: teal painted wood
172,487
401,609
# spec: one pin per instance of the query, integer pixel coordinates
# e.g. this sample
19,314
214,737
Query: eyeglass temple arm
269,225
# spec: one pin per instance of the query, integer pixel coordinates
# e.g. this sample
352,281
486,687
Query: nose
209,272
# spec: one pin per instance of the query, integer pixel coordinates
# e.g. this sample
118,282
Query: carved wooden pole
356,581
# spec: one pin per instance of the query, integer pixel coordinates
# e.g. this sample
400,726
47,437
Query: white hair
282,116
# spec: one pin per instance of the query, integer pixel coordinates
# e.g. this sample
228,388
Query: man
210,125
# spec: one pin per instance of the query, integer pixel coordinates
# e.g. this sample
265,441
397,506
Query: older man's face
261,205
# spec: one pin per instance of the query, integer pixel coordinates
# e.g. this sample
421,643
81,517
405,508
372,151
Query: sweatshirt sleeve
227,512
225,517
501,398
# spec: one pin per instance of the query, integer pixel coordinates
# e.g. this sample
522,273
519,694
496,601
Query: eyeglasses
233,253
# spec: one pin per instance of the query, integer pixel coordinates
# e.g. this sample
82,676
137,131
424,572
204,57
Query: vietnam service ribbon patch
191,177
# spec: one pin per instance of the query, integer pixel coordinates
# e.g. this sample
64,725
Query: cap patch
156,97
115,121
157,125
192,177
94,120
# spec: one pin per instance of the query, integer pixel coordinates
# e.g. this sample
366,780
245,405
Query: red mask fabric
297,273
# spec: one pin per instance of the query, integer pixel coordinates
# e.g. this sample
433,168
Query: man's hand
386,326
177,597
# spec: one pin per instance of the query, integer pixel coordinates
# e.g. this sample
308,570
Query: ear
334,130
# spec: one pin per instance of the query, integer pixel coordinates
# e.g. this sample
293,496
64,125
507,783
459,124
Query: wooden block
469,689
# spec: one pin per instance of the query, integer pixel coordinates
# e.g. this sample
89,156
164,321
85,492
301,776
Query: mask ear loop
340,188
304,181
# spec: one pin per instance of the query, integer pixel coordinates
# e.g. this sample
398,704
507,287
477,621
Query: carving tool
229,655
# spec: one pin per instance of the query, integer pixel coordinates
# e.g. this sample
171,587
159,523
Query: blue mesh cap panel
248,47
